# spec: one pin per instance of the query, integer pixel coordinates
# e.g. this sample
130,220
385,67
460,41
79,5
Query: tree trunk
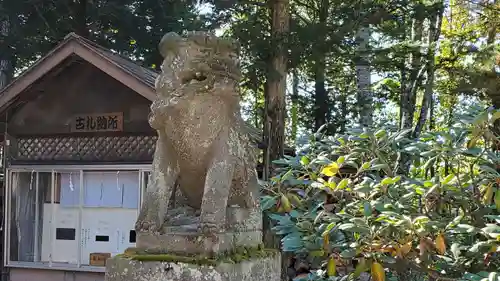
492,30
363,76
320,94
275,99
433,36
6,65
294,111
412,81
321,104
81,18
275,102
344,111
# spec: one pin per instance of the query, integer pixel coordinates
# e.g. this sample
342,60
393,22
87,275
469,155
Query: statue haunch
203,146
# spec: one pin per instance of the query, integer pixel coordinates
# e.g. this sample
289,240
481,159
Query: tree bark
412,81
275,105
363,77
321,103
492,30
275,100
81,18
295,106
6,65
433,36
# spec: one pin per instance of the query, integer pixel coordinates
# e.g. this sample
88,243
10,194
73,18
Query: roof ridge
108,51
143,74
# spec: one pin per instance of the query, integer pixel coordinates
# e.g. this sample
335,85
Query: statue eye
200,76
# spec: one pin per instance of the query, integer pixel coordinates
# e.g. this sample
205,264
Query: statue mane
204,55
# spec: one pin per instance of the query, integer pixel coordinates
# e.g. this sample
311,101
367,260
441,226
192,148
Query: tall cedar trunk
432,37
294,111
275,92
321,104
490,40
344,111
409,84
81,18
6,74
363,77
432,119
492,30
320,94
412,81
6,65
257,108
275,101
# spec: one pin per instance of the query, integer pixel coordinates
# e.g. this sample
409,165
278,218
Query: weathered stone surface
203,177
120,269
197,243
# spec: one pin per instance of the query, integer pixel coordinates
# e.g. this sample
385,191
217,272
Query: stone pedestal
263,268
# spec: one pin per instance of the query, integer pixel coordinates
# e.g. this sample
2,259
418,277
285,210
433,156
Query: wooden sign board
99,259
99,122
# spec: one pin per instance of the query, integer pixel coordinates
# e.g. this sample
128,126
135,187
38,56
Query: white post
37,213
53,217
7,218
141,188
79,222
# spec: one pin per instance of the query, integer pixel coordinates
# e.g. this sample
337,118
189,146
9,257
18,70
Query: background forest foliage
404,167
406,63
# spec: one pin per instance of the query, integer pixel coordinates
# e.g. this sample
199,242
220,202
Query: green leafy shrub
343,205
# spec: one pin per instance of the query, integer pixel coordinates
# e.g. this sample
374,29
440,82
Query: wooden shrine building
77,154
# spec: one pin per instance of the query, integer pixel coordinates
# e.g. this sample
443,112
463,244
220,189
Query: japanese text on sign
104,122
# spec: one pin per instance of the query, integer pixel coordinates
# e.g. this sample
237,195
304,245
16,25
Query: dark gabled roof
131,74
147,75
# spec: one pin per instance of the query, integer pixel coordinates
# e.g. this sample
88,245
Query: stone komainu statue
204,149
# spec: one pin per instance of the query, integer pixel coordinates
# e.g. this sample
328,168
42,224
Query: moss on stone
175,258
235,256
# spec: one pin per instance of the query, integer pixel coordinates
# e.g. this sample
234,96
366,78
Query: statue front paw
210,228
144,226
149,224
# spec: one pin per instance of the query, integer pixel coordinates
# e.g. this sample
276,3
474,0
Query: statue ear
169,43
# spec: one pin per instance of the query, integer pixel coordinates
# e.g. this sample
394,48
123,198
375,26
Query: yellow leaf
326,241
366,165
285,203
331,268
378,273
343,183
318,253
294,199
488,195
495,116
497,199
440,244
330,170
405,249
472,143
493,249
341,160
332,185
